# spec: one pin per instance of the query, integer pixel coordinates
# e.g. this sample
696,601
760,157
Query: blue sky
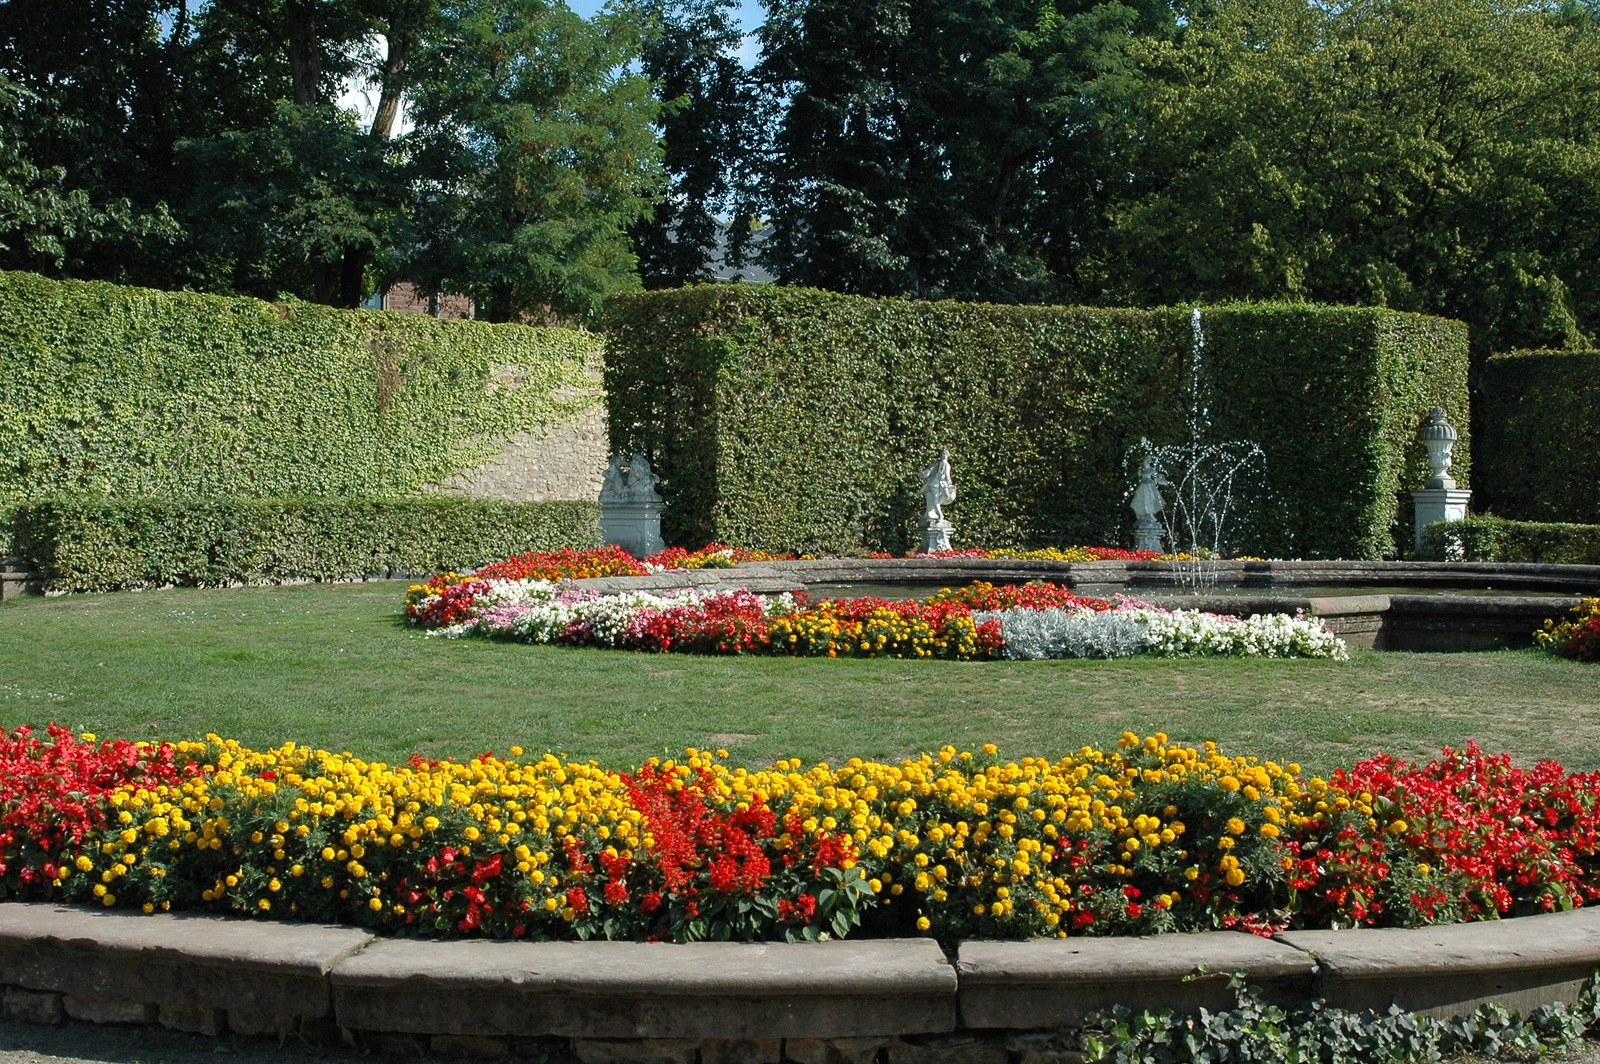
749,11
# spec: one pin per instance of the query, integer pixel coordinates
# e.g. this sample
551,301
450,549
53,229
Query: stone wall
565,464
888,1001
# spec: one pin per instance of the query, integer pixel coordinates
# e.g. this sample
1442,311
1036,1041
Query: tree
534,153
308,193
41,221
709,128
1433,155
939,147
100,88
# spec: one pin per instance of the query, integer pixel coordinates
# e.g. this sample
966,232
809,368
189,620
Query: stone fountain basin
1427,606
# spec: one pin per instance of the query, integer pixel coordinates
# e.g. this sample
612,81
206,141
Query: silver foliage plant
1036,635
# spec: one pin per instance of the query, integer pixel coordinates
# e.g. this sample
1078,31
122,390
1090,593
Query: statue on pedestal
938,490
642,480
630,506
1147,505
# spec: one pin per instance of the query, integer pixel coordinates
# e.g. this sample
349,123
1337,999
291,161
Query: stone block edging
759,1003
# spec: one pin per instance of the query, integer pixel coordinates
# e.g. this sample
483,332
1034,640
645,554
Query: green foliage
1256,1032
38,219
1381,152
303,202
1336,397
789,419
532,150
942,148
110,544
1540,453
534,153
1492,539
709,133
129,392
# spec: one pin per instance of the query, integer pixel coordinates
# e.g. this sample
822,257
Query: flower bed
1151,836
1578,638
520,600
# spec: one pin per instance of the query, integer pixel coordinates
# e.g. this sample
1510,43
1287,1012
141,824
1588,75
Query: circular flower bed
1151,836
522,600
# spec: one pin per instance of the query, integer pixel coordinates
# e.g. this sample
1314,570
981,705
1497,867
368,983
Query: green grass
334,666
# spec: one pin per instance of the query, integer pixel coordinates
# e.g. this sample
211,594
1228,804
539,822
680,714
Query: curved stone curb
631,990
1452,969
736,1003
1059,982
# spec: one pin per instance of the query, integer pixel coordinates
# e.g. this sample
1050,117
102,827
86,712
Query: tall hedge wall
796,419
115,391
1539,459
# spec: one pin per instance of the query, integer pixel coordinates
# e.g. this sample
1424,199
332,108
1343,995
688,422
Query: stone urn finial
1440,438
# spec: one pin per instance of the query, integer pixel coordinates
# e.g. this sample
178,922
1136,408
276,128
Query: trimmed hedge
793,419
110,544
1540,452
128,392
1494,539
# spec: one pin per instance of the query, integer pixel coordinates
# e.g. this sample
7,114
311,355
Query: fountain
1203,480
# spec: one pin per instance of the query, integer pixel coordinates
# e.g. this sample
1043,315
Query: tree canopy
1435,155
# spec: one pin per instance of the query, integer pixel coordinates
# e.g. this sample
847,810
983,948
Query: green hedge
109,544
1540,452
127,392
792,419
1494,539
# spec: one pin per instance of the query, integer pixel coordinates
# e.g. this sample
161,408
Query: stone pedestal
633,526
1438,504
1147,535
936,535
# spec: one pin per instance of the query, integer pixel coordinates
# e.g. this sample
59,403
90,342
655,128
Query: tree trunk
326,282
353,275
305,65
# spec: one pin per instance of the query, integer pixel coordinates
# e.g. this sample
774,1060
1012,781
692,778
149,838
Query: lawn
334,666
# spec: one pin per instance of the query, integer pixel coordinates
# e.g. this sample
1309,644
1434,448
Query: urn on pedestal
1439,499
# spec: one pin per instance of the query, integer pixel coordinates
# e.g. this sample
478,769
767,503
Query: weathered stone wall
893,1001
566,464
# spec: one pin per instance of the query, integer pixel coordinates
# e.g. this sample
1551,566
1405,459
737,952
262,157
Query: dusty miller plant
1036,635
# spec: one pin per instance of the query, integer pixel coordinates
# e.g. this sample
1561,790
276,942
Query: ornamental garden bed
1050,604
1149,837
527,599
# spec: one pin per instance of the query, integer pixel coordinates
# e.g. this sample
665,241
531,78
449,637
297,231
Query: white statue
614,482
938,490
641,480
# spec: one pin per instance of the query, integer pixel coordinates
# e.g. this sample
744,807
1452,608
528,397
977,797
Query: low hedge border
899,999
111,544
1494,539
